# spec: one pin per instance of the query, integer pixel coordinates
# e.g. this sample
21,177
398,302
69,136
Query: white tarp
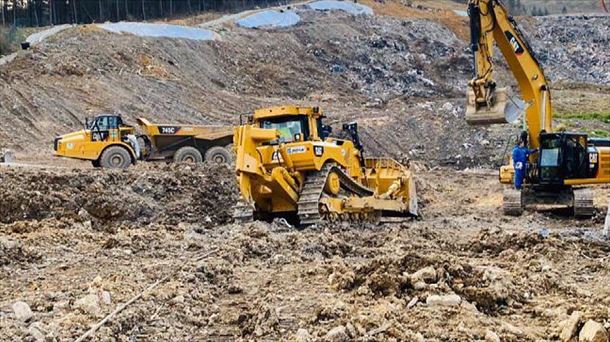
270,19
159,30
350,7
38,37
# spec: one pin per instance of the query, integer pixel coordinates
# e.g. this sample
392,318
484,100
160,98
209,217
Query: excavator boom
487,104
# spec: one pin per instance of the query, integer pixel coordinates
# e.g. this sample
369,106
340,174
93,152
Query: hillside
382,71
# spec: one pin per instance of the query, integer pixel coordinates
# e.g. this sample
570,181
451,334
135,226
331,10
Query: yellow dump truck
110,143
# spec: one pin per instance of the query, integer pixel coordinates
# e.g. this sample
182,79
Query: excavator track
313,190
243,211
583,203
512,204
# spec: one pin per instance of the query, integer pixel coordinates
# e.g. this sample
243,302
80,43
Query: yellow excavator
288,166
564,162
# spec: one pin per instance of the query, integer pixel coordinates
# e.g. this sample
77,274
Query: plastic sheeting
350,7
159,30
270,19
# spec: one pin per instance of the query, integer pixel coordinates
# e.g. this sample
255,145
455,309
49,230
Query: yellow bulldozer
288,166
108,142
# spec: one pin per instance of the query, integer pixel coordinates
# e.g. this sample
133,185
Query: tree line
54,12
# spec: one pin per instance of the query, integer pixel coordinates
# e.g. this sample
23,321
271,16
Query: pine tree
564,10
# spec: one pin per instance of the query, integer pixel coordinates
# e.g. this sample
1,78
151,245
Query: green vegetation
9,40
600,133
601,116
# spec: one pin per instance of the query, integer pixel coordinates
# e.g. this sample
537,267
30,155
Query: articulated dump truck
288,166
110,143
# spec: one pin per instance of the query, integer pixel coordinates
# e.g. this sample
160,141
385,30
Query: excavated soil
517,277
77,243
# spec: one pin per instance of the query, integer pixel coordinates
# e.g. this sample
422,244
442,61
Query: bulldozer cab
293,123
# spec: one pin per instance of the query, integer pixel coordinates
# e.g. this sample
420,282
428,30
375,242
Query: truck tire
96,163
188,154
219,154
115,157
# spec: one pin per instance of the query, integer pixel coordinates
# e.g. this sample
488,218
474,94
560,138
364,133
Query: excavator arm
487,104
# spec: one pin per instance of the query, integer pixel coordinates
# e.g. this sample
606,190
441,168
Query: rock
302,335
412,302
22,311
36,331
7,156
446,300
89,304
337,334
351,330
427,274
593,332
419,285
491,336
570,328
106,298
179,299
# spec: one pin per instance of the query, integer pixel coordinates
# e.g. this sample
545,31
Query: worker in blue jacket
520,157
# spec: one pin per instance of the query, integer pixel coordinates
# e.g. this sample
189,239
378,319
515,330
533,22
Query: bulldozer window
287,128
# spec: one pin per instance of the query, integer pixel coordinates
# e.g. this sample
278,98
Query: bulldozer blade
501,111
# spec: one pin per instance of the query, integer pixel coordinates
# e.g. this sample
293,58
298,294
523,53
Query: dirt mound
145,194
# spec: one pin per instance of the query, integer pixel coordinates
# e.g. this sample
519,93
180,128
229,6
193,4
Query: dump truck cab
104,134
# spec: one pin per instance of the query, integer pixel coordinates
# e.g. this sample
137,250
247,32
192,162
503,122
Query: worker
520,157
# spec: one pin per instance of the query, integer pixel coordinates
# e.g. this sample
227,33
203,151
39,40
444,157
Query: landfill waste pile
152,252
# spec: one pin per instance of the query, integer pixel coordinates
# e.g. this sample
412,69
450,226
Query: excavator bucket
500,111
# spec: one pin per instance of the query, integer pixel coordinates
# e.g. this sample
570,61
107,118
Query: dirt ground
68,234
77,243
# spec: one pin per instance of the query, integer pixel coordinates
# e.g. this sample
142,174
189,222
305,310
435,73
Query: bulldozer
564,163
288,166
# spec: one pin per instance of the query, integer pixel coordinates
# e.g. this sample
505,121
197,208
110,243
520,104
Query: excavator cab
565,156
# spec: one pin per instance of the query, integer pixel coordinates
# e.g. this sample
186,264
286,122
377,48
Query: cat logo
514,43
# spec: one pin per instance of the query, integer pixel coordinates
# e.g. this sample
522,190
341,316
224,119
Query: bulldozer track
313,189
309,200
512,204
583,203
243,211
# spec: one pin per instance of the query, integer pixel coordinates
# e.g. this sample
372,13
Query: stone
593,332
36,331
89,304
337,334
420,285
427,274
570,327
412,302
22,311
445,300
302,335
491,336
106,298
351,330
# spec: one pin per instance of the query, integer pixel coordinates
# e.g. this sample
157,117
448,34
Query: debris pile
574,48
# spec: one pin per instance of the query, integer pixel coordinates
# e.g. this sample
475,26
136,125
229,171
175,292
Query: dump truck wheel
218,154
188,154
115,157
96,163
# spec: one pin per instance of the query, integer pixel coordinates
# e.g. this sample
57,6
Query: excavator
288,166
564,163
